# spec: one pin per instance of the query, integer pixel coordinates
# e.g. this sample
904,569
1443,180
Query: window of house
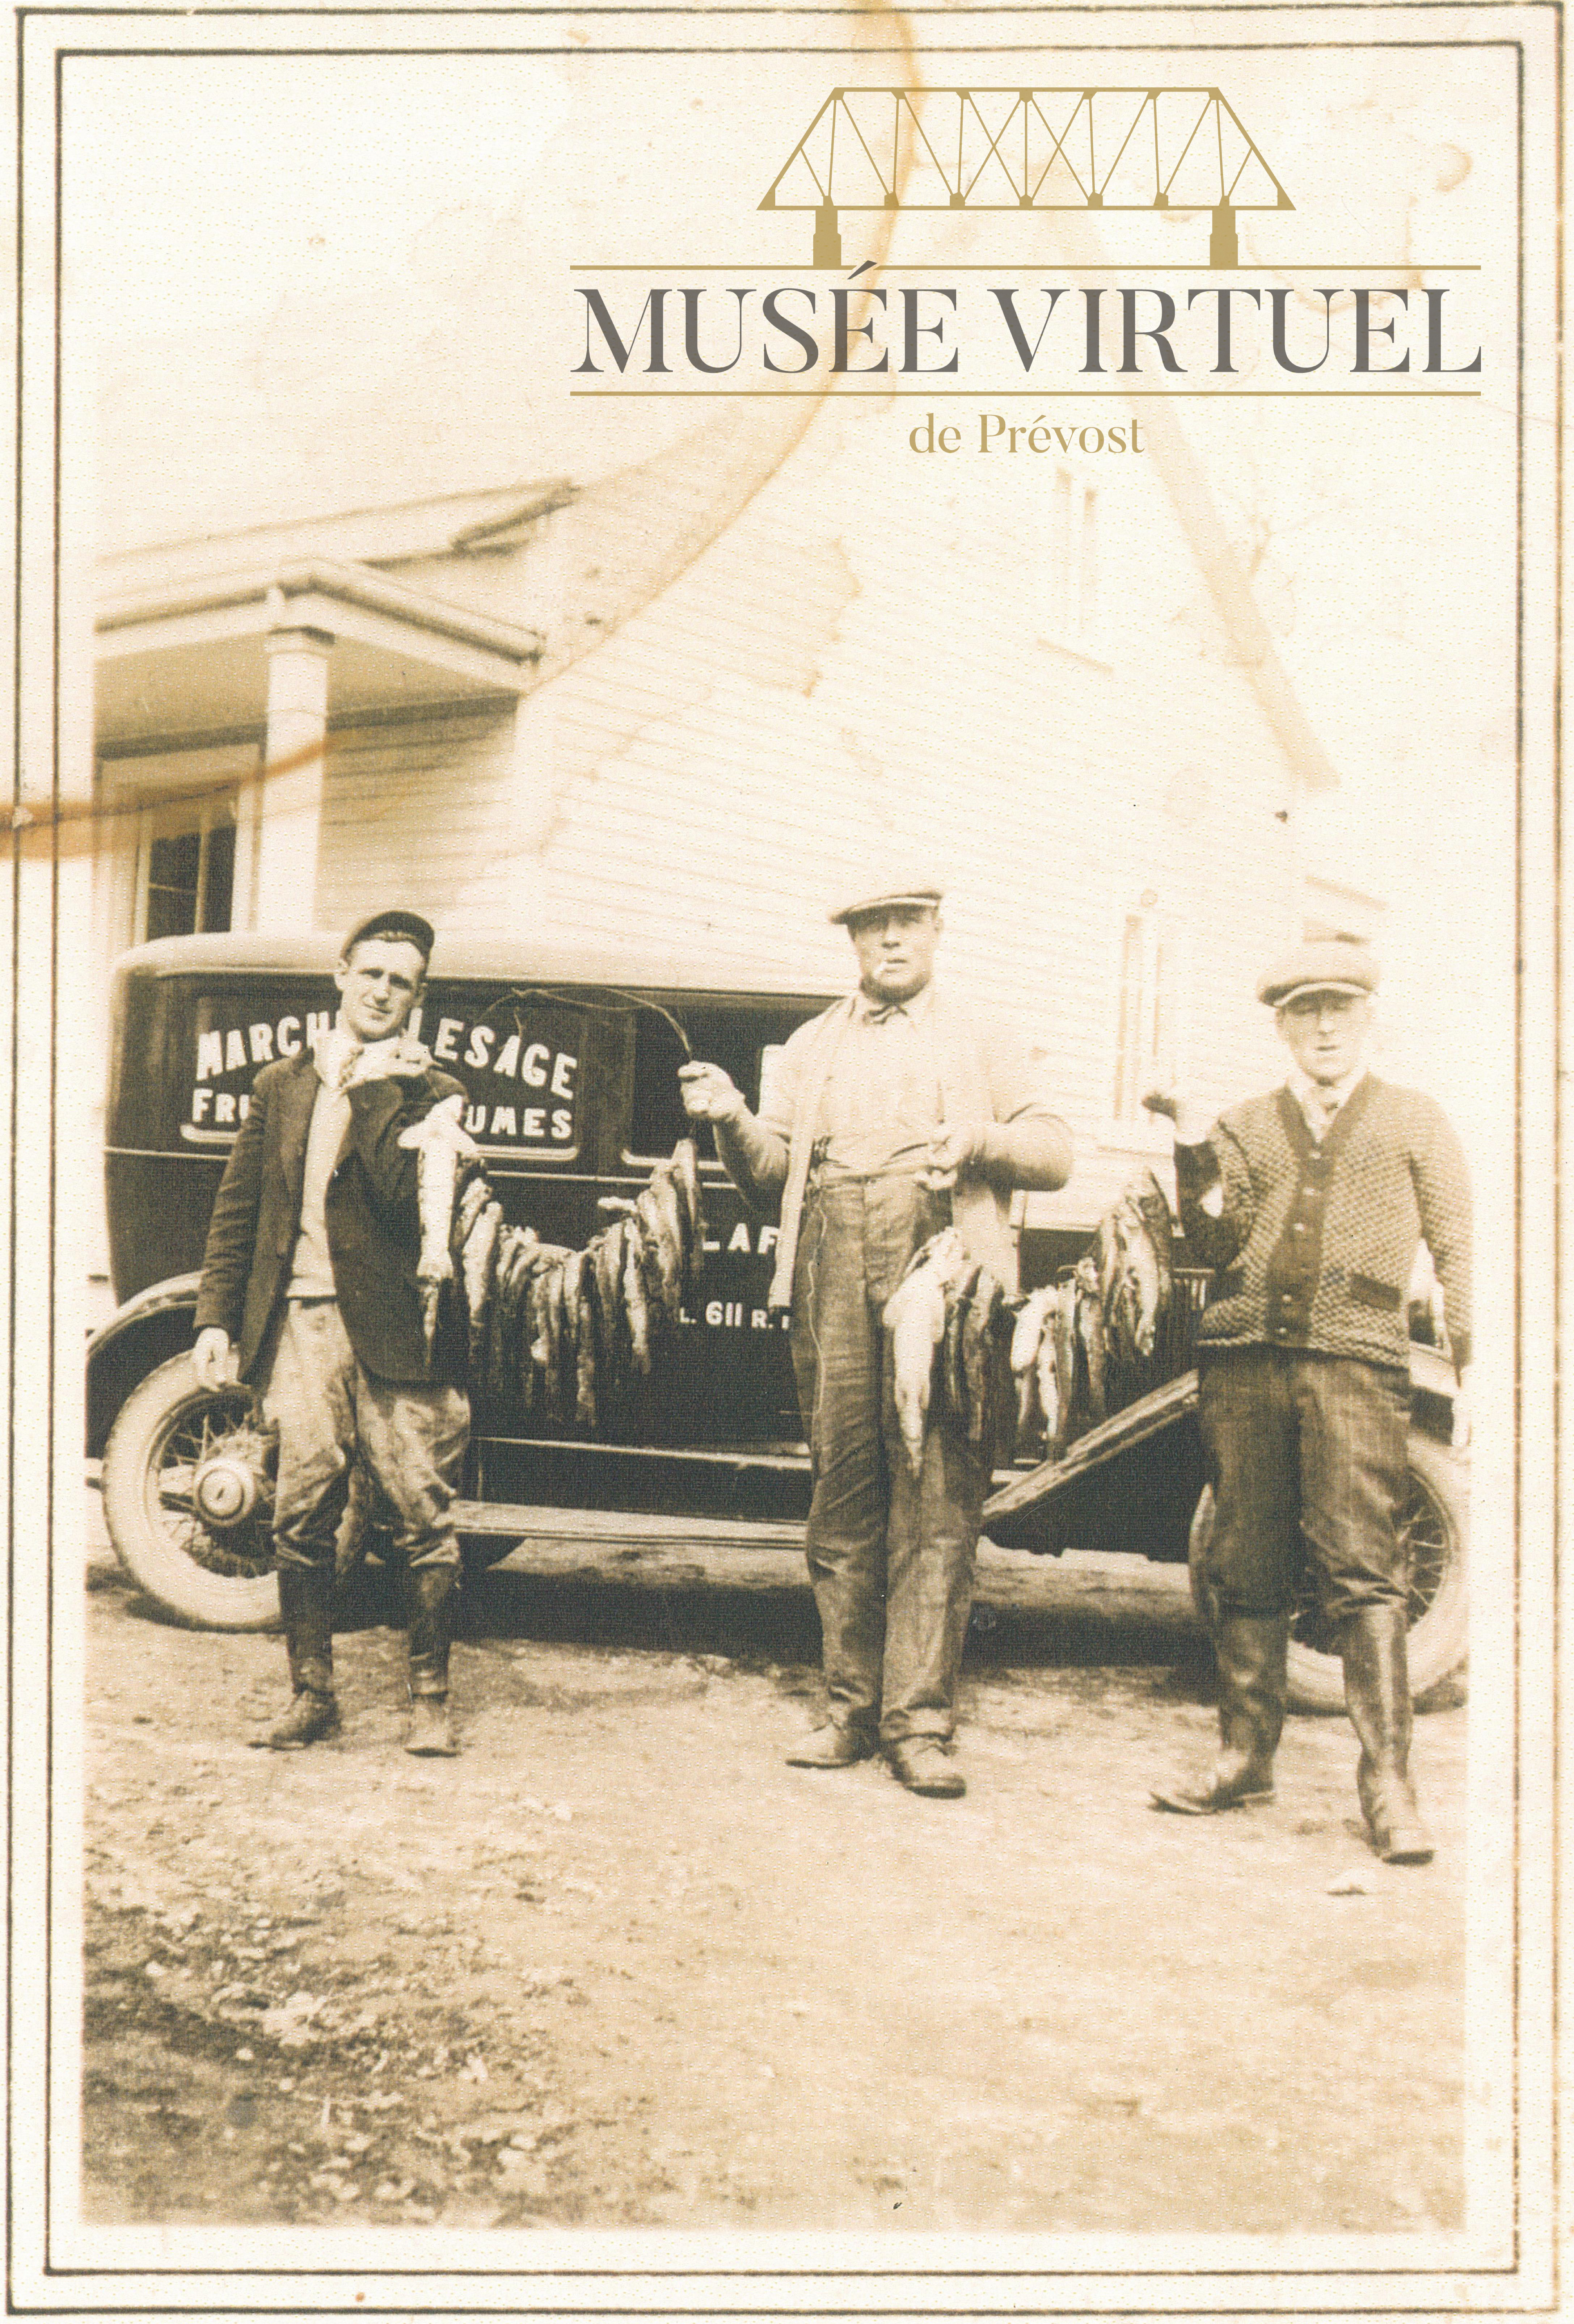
186,869
1145,1047
1071,564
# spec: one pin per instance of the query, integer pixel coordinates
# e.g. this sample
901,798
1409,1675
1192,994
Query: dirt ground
618,1964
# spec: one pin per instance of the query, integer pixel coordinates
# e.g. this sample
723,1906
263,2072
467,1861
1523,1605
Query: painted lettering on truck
505,1067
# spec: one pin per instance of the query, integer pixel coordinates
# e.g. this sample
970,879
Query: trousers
327,1407
891,1554
1308,1458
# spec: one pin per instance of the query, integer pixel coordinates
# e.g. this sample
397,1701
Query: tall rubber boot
1372,1644
306,1604
1250,1650
431,1593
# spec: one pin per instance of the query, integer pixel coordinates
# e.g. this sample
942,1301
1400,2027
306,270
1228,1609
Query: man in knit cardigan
896,1112
1310,1204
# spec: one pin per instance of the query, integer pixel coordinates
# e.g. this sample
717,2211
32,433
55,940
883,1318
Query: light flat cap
903,886
1337,965
398,926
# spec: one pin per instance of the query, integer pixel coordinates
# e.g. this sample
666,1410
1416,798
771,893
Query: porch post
293,779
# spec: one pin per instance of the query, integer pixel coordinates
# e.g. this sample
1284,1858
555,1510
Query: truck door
734,1384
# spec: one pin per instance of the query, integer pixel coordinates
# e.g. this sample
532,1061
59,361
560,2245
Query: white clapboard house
677,703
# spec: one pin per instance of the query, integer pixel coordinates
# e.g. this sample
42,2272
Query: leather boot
1372,1644
306,1604
431,1592
1250,1650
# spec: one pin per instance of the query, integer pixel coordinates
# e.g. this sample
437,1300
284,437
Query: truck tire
212,1579
1434,1523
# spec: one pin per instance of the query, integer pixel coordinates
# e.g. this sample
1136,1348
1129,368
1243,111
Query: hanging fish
659,1212
479,1262
550,1278
1033,1325
1148,1200
1068,1370
474,1198
1090,1311
441,1145
607,1255
634,1302
516,1245
980,1359
536,1351
1048,1371
685,1170
955,1370
587,1335
915,1316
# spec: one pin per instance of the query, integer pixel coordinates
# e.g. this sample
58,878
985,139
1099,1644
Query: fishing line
518,993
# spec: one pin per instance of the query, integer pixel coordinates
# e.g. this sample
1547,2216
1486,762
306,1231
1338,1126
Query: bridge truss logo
1026,148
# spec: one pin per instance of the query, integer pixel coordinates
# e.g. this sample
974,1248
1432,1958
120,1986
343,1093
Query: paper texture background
279,272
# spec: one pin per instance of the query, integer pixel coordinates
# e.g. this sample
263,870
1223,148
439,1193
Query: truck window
735,1036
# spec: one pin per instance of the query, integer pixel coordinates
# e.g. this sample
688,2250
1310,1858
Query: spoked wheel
1433,1525
189,1499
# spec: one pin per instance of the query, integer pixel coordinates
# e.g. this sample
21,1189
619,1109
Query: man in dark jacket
1310,1202
309,1291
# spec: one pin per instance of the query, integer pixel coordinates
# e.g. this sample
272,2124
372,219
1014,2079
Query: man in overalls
896,1112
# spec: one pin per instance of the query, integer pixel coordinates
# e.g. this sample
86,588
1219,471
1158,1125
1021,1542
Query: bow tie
883,1015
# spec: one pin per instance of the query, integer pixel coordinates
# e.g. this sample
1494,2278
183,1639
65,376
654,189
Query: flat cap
902,885
1337,965
399,926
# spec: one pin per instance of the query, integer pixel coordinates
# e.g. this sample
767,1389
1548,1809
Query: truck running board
642,1546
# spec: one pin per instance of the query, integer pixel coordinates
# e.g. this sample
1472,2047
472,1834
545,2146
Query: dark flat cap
1337,965
399,926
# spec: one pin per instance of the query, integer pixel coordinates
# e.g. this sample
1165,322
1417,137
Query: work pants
1308,1458
326,1408
891,1554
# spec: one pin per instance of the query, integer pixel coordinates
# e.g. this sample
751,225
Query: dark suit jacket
373,1224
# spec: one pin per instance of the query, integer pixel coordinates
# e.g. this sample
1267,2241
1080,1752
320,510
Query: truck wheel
1433,1523
188,1500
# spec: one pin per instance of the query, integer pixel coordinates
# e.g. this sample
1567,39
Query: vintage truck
570,1067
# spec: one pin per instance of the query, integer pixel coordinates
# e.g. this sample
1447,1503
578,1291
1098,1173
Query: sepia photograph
783,1278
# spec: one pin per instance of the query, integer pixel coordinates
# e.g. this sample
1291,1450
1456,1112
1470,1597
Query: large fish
915,1316
1090,1313
441,1147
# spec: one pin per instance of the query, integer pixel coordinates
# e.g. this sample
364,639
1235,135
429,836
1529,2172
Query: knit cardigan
1315,1243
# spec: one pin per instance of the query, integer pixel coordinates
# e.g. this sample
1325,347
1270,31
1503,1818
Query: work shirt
1321,1102
311,1274
881,1105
